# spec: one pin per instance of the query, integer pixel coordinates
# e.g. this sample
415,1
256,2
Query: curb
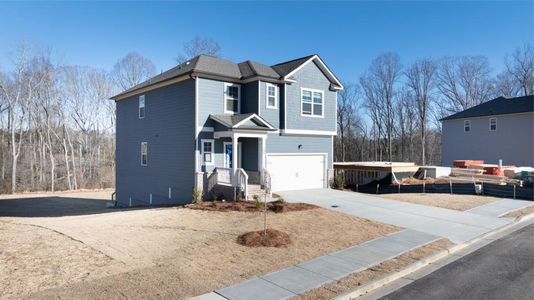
425,261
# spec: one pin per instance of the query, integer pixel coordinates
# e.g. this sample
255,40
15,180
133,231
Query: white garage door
296,172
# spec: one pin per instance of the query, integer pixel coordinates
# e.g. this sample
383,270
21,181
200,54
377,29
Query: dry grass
157,253
353,281
521,212
456,202
250,206
269,238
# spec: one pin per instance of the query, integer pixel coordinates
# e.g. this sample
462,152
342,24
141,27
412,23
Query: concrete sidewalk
501,207
457,226
308,275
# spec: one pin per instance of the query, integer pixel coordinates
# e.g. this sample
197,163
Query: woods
57,124
392,112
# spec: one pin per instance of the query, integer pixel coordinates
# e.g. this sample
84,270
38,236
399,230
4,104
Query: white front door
296,172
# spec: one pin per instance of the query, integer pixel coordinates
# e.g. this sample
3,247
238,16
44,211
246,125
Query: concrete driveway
457,226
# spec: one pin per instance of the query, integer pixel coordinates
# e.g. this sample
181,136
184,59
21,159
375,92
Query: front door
228,155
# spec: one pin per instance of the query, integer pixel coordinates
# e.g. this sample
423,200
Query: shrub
338,182
257,201
197,196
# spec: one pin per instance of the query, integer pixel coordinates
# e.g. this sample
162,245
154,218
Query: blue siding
249,98
310,76
310,144
269,114
168,127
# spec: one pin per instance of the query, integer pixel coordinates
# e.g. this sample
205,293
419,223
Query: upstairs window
207,152
271,96
467,125
493,124
141,106
232,95
144,153
312,103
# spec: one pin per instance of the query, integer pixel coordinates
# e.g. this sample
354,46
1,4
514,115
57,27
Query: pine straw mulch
269,238
250,206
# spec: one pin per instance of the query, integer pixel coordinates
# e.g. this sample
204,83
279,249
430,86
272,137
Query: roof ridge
293,60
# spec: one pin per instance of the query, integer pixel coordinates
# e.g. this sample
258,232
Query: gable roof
243,121
497,106
215,66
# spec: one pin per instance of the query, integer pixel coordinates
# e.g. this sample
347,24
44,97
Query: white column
235,148
263,152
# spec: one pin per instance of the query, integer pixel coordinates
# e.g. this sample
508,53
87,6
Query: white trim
267,85
225,97
307,132
257,118
204,129
285,105
325,157
145,164
239,150
302,89
244,133
492,118
259,96
323,67
202,141
152,87
139,106
196,130
465,122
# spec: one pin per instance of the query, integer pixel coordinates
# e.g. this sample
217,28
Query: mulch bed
250,206
269,238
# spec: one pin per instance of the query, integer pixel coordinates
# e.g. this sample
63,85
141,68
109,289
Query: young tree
421,82
132,70
198,46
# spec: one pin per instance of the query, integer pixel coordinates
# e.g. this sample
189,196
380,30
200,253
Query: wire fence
487,189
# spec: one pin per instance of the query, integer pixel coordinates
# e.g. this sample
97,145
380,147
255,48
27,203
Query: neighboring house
217,125
502,128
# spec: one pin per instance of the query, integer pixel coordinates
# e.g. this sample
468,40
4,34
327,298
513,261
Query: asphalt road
503,269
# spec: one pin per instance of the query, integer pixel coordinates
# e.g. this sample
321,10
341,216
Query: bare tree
520,67
464,82
505,85
346,108
198,46
421,82
379,89
132,70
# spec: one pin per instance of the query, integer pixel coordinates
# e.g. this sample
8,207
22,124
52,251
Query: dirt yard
70,246
456,202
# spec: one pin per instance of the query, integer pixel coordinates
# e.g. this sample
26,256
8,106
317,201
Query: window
467,125
207,152
312,103
232,94
271,96
144,153
141,106
493,124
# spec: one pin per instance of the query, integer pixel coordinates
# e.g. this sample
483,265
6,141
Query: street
503,269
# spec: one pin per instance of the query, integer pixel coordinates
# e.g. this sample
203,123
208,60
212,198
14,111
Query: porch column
263,152
235,148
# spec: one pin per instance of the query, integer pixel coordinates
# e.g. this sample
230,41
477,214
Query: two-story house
500,129
225,127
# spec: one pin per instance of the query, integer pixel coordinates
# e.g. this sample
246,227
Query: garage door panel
296,172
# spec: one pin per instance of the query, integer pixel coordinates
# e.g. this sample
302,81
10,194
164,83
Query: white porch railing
242,181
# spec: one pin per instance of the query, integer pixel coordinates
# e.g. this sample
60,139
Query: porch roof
250,121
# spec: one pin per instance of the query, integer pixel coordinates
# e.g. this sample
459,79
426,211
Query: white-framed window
467,125
144,153
142,107
207,152
272,95
493,124
312,103
232,98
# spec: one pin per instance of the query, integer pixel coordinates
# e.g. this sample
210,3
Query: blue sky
347,35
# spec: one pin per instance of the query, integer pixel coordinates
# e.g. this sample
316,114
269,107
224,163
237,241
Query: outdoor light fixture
300,146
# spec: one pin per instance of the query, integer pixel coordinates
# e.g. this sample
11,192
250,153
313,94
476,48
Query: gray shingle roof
231,120
497,106
211,65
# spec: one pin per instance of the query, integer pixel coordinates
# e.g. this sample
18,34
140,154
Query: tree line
392,112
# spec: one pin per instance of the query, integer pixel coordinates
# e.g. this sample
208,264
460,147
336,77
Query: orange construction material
466,163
